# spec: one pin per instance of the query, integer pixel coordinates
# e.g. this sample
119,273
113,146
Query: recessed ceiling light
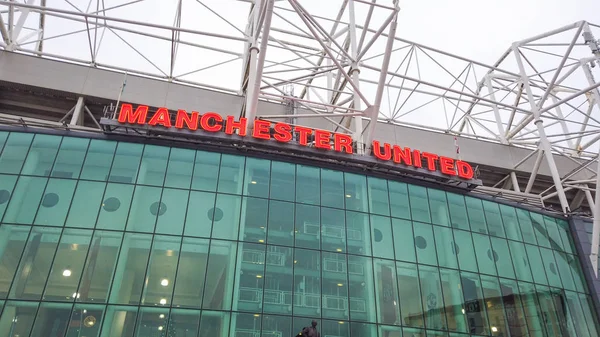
164,282
67,272
163,301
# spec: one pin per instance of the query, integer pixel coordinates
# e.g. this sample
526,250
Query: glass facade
113,239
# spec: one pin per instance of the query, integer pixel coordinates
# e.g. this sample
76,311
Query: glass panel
577,274
252,264
553,234
41,155
476,215
119,321
67,268
537,265
7,184
145,209
588,313
278,280
335,286
227,225
409,287
439,207
513,307
254,220
493,219
494,306
551,269
85,320
256,180
307,185
526,226
419,204
307,282
308,226
283,181
502,257
281,223
52,320
540,230
453,299
191,273
171,211
35,264
245,324
535,317
446,247
336,328
564,270
379,202
360,288
332,188
231,175
162,268
333,230
220,275
131,270
435,315
70,157
214,323
485,255
55,203
381,234
206,171
465,251
86,204
100,267
553,311
115,206
356,192
362,329
475,308
180,168
577,317
425,243
511,223
126,163
25,200
200,214
15,151
12,243
359,233
183,323
458,211
153,165
3,137
386,292
399,203
17,318
275,326
98,160
563,229
520,261
404,242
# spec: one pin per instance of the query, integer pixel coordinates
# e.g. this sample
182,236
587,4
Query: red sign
283,132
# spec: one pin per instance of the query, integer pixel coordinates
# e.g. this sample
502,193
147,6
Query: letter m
127,115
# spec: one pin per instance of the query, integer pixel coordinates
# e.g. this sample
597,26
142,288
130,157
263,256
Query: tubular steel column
544,143
355,74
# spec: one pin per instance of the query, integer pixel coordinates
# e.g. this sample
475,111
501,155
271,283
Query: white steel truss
347,66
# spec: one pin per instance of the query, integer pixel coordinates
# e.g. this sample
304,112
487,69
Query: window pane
206,171
162,267
520,261
386,291
126,163
200,214
250,291
476,215
55,203
307,281
307,185
227,226
220,275
335,286
308,226
3,137
358,233
404,242
333,230
379,202
98,160
180,168
458,211
52,320
35,264
526,226
511,224
12,243
493,218
15,151
553,311
214,323
254,220
131,269
537,265
191,273
283,181
119,321
232,174
453,299
475,308
281,223
439,207
535,318
115,207
381,234
577,316
540,230
563,229
360,288
100,267
67,268
278,280
7,184
41,155
399,203
184,322
145,209
446,247
17,318
589,315
465,251
171,211
86,204
419,204
332,188
256,180
425,243
553,234
495,305
409,287
564,270
356,192
86,319
551,269
70,157
515,314
153,165
485,255
435,315
25,200
502,257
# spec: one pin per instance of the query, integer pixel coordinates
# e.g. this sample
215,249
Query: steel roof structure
348,69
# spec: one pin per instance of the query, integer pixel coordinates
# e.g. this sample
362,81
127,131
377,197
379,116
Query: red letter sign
128,116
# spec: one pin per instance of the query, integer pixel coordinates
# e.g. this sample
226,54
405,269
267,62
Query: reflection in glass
332,188
307,185
99,267
206,171
86,320
191,273
52,320
12,243
153,165
98,160
307,282
180,168
42,155
335,286
17,318
152,322
161,270
14,152
119,321
126,163
25,200
231,175
171,211
129,278
256,180
283,181
220,275
86,204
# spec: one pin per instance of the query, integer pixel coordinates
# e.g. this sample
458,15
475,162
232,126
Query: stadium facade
187,211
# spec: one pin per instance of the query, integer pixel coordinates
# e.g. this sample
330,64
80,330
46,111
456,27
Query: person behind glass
310,331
